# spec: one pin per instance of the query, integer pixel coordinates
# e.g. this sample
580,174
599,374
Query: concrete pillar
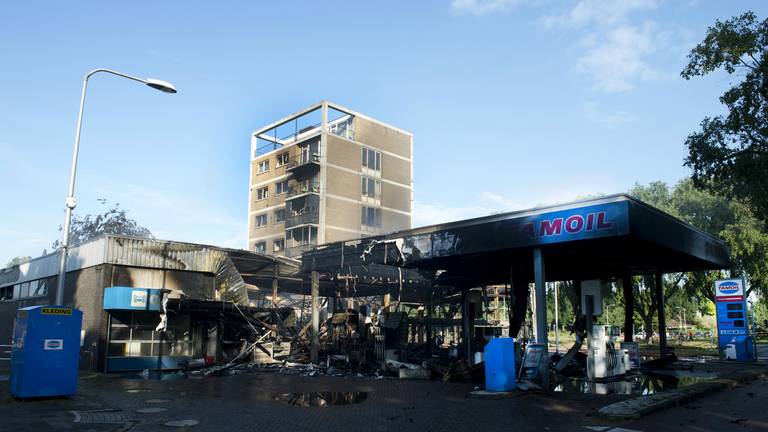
662,317
540,295
315,341
629,307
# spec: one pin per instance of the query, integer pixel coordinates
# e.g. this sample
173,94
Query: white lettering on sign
139,298
53,344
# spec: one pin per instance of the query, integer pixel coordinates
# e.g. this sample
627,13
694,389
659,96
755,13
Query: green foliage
729,155
113,221
18,260
744,234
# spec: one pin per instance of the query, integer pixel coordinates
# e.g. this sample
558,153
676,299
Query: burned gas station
447,275
430,302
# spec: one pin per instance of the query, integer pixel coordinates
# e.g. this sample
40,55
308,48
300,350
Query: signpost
731,309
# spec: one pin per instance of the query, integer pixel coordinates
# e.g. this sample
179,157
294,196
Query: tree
730,220
729,155
113,221
18,260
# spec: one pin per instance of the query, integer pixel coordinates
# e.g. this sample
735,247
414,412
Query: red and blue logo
728,287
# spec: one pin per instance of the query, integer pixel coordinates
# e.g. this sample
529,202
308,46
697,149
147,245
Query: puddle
322,399
639,385
149,375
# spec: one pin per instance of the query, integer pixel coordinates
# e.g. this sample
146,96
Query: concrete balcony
308,218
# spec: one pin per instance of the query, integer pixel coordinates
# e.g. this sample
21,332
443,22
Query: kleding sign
56,311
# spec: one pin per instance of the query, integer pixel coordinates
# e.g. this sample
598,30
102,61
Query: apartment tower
327,174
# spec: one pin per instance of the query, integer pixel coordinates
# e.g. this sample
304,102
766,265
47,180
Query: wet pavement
280,402
270,400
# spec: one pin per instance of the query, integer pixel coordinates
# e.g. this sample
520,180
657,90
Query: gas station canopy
605,237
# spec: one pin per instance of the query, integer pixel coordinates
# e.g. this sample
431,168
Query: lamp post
163,86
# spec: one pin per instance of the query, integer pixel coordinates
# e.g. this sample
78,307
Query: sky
512,103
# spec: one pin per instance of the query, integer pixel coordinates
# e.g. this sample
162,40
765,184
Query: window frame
264,195
284,213
365,186
275,242
284,188
261,217
256,247
368,156
263,167
365,216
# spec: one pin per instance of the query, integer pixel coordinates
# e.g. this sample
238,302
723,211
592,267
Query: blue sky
512,103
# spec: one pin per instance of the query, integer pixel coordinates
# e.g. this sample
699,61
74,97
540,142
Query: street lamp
163,86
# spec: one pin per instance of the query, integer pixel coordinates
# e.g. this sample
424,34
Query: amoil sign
729,289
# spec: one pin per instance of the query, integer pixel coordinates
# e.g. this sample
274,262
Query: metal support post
315,341
540,296
662,317
629,308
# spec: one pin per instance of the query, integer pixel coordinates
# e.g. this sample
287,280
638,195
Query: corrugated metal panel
156,254
85,255
161,254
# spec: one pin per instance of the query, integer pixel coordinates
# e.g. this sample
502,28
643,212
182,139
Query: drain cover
151,410
182,423
103,416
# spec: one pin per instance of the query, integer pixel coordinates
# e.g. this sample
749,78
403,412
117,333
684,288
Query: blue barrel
744,348
500,365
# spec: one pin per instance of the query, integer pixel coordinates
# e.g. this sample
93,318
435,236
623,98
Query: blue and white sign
729,289
731,311
132,298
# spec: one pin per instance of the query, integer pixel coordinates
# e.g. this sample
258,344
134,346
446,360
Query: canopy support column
541,296
662,317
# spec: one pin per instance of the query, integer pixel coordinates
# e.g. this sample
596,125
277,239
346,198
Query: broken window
283,159
262,193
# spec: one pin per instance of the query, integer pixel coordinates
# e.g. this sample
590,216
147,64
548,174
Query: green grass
682,349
